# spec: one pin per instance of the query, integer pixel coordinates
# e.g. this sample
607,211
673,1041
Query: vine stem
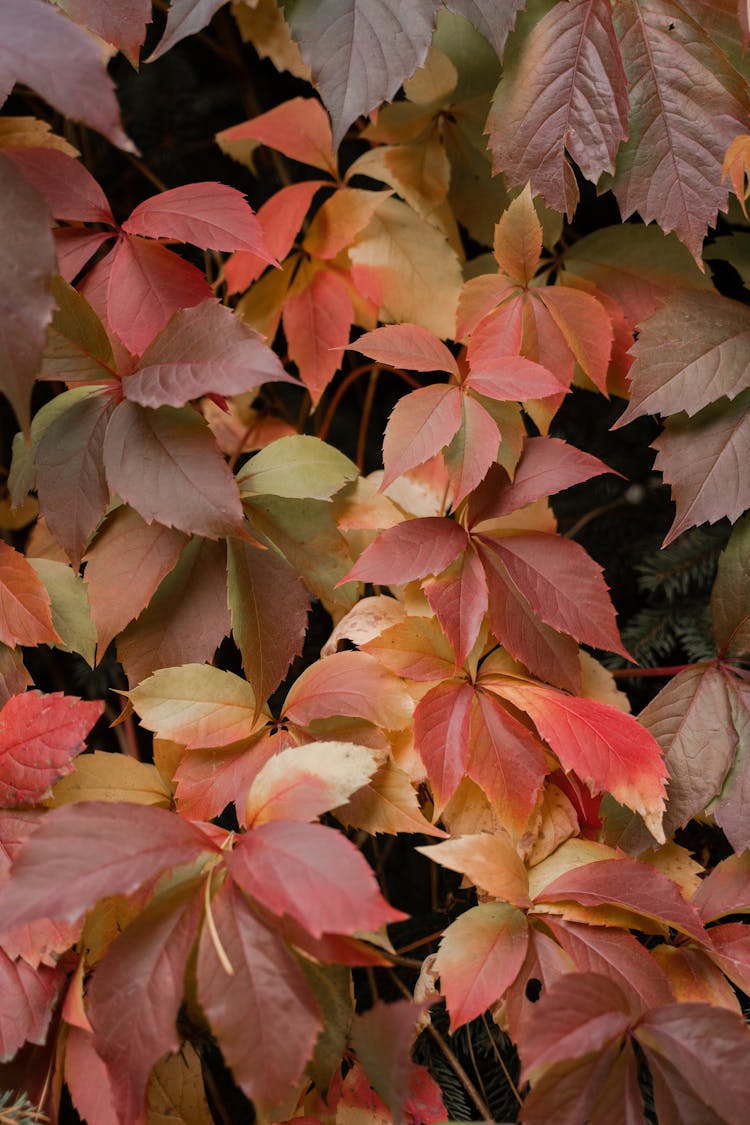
669,670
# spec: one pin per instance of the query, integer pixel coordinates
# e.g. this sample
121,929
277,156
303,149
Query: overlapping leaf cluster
209,884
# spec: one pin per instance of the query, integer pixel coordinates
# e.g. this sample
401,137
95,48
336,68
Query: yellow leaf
111,777
176,1095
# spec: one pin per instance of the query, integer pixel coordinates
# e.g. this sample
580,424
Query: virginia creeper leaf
29,996
690,353
73,492
27,262
77,346
349,683
303,782
317,317
548,465
69,604
472,449
201,349
280,218
686,108
490,861
459,600
726,889
59,875
266,980
410,550
339,219
730,596
87,1079
729,809
441,736
39,737
268,606
480,954
494,22
298,466
299,128
139,982
389,803
313,874
34,38
124,25
407,345
210,215
69,189
132,557
111,777
195,705
564,91
376,47
421,424
383,1038
166,465
25,614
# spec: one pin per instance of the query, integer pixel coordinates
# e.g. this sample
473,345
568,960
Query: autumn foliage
321,797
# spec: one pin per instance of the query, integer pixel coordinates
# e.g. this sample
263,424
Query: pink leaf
202,349
313,874
410,550
39,737
421,424
441,736
585,326
299,128
459,601
406,345
60,875
29,996
280,218
68,188
472,449
353,684
317,318
25,615
147,285
210,215
123,24
506,761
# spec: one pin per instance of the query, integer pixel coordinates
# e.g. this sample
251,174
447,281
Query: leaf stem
221,952
669,670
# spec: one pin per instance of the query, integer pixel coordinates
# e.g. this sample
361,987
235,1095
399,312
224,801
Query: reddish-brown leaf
123,24
472,449
202,349
27,264
29,997
34,38
459,600
132,557
299,128
139,983
317,317
25,617
166,465
39,737
313,874
265,980
480,955
564,93
60,874
68,188
730,596
441,736
726,889
87,1079
383,1038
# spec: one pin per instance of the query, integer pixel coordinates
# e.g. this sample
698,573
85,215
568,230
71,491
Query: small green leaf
71,614
299,467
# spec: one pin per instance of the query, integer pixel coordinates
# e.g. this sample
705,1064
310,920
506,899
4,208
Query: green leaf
730,597
71,614
298,467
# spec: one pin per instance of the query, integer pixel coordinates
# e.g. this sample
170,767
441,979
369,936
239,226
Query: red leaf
29,997
585,326
561,583
280,218
139,983
688,109
35,36
209,780
406,345
25,617
87,1079
313,874
147,285
410,550
548,465
75,246
441,736
459,601
27,262
506,761
210,215
73,492
472,449
676,1035
265,980
60,875
39,737
317,318
510,378
299,128
629,883
606,748
68,188
479,957
730,950
579,107
132,557
354,32
202,349
349,683
188,484
726,889
123,24
421,424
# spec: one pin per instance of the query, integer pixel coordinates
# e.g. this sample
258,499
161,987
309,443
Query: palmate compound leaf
25,614
27,263
166,465
58,874
480,955
34,37
39,737
376,46
139,983
202,349
317,317
607,749
311,873
267,982
687,104
406,345
303,782
563,91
